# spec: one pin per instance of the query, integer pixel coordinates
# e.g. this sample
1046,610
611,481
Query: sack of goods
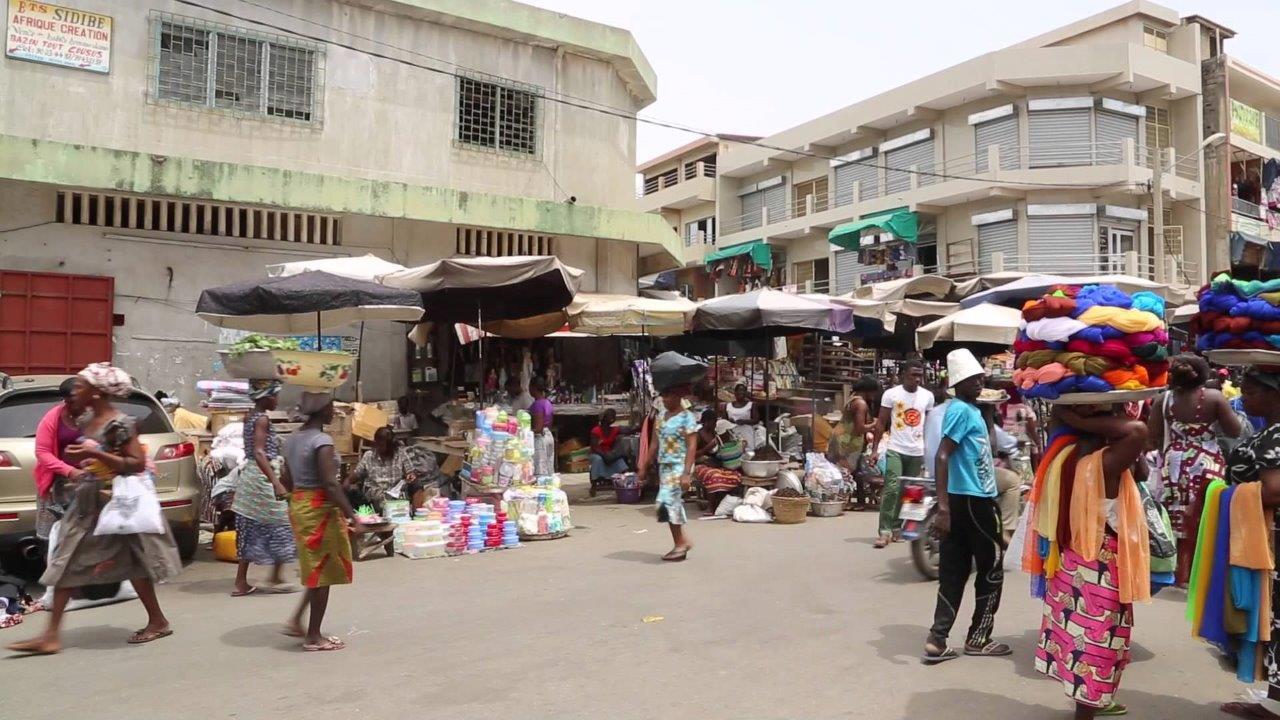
1238,315
1091,339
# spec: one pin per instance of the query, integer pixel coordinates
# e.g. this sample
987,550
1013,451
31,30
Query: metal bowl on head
761,468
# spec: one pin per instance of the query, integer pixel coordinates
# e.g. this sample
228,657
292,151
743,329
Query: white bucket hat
962,365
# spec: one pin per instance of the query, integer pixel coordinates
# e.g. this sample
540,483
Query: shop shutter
848,270
919,155
999,237
1003,132
53,324
865,172
1059,137
775,199
751,204
1061,244
1113,129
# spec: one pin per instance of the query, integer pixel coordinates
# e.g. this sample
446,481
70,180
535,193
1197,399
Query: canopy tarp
985,323
770,313
362,267
758,250
628,315
1034,286
484,289
304,303
903,224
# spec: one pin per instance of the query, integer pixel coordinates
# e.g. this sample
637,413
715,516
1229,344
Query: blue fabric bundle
1106,295
1149,302
1257,308
1098,334
1069,384
1216,301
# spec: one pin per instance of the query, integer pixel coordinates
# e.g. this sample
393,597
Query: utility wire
592,106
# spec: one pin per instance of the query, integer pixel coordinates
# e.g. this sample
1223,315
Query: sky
756,67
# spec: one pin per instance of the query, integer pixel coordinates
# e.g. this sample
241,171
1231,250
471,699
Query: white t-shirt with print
906,419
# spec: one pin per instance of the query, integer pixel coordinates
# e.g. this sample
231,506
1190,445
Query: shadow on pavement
653,558
265,635
980,704
899,570
900,644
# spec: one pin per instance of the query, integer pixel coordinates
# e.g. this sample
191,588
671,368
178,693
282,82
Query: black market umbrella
476,290
671,369
769,313
305,303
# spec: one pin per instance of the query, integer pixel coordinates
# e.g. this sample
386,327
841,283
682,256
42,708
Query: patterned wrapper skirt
1085,632
324,546
714,480
264,544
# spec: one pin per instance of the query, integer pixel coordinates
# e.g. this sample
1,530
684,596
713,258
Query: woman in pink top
57,430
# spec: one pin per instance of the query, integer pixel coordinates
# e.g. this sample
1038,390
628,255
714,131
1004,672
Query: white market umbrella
1035,286
935,287
364,267
597,314
985,323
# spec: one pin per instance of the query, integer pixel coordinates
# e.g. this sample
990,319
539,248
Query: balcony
1250,218
678,188
1176,269
971,177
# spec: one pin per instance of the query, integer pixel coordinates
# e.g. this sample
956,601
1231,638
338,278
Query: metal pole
1157,211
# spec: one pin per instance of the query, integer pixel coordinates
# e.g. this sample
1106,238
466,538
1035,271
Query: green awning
902,224
758,250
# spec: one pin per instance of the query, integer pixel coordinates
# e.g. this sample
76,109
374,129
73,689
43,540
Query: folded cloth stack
225,394
1095,338
1238,315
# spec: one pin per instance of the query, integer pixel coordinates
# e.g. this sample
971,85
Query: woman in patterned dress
675,451
1257,459
1191,458
1086,626
108,448
263,534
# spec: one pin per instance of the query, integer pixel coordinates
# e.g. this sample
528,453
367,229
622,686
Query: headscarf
313,402
108,378
259,389
1265,375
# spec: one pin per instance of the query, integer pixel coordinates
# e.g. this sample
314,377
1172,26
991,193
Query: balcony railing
1176,268
1244,207
674,177
976,166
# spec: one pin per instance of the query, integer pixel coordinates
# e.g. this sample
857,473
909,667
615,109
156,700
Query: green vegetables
262,342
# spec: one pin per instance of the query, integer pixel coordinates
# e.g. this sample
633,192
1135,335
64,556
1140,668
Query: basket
790,511
629,496
825,508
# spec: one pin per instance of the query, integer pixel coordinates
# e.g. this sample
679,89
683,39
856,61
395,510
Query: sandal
881,542
991,649
330,643
281,589
1252,711
676,555
929,658
145,636
242,593
1112,710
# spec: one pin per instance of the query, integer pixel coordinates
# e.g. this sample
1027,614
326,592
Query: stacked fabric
1094,338
225,394
1238,315
1229,597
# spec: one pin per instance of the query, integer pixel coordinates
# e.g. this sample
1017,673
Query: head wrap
108,378
313,402
259,389
1268,376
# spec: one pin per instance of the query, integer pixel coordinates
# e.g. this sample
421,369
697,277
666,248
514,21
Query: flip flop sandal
1112,710
1251,711
281,589
991,649
243,593
330,643
142,637
675,556
945,655
881,543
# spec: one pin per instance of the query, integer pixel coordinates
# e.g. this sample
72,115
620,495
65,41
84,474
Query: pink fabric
48,464
1026,378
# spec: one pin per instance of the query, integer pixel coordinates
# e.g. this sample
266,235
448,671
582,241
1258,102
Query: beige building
213,140
1038,156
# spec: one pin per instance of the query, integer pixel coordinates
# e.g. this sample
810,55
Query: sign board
1246,121
56,35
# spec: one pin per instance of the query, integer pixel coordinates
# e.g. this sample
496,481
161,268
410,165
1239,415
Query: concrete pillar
1131,265
857,192
1128,153
993,159
915,177
1170,269
808,204
997,263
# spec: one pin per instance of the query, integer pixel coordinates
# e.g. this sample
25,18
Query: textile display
1238,315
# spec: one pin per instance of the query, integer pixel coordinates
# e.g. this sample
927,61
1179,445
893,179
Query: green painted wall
86,166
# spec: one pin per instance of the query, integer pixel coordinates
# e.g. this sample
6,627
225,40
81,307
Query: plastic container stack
539,510
423,539
1091,339
501,454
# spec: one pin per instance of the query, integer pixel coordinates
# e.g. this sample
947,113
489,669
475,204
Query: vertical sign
1246,121
56,35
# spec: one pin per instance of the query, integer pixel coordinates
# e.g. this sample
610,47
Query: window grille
481,242
500,117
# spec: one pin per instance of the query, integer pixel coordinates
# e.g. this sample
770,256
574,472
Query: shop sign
1246,121
56,35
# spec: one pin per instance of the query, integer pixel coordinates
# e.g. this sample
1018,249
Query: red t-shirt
603,439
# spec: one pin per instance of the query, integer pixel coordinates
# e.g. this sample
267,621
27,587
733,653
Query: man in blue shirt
968,518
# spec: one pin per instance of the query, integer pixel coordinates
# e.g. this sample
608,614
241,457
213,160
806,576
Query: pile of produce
262,342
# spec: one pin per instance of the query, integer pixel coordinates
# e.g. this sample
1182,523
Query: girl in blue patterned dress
263,533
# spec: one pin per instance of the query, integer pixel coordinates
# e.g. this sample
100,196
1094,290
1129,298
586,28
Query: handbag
133,508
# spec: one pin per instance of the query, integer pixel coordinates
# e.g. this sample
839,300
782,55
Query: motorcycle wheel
925,550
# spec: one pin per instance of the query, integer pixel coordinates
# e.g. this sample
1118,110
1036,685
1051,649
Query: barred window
224,68
497,117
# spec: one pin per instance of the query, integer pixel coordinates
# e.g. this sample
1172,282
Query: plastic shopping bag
1013,553
132,509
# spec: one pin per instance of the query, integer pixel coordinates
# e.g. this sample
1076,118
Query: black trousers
976,540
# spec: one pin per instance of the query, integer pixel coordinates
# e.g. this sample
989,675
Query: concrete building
217,137
1038,156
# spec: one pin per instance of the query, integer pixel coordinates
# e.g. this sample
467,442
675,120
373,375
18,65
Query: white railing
1244,207
675,176
1175,268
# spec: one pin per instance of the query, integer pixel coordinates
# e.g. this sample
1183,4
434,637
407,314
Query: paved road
763,621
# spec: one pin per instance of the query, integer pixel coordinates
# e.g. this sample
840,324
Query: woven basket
790,511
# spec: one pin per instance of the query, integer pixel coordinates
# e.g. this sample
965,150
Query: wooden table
444,446
370,538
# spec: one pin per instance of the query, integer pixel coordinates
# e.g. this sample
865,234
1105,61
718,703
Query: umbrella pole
318,348
480,327
359,361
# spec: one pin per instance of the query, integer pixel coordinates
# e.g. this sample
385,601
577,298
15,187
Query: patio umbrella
364,267
985,323
304,303
483,289
1034,286
934,287
628,315
770,313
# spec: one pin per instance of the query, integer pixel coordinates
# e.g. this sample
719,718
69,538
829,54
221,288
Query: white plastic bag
125,592
1013,553
132,509
759,497
728,505
745,513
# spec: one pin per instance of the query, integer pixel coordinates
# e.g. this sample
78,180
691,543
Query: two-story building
160,147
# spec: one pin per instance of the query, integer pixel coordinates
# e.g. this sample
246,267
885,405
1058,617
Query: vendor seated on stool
385,472
607,456
710,476
742,412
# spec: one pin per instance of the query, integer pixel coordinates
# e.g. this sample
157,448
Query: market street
762,621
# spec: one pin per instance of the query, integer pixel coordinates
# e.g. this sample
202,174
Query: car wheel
188,539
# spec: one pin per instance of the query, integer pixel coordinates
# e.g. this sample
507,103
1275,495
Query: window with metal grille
1159,133
501,117
219,67
700,232
501,243
1155,38
133,212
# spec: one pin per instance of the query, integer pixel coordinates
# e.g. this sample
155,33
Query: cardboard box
219,419
340,430
366,420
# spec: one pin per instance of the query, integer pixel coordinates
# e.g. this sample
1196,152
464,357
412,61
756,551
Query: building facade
222,136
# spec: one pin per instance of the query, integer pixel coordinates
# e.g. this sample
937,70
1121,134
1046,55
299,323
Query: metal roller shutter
1059,137
1112,130
848,270
1061,243
775,199
920,155
1000,237
751,204
868,175
1002,132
